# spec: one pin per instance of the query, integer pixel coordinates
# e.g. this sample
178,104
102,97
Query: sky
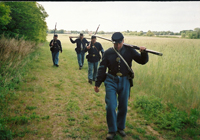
121,16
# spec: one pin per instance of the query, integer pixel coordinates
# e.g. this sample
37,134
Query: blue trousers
116,86
55,57
92,70
80,57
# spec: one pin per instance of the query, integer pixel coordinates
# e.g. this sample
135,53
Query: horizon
156,16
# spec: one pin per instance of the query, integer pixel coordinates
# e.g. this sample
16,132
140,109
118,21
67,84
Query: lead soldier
117,82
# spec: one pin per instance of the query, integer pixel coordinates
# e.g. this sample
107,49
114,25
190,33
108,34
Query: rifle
78,37
133,46
53,37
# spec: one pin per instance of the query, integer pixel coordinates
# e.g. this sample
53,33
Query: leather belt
117,75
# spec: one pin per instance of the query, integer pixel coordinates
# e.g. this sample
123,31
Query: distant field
174,77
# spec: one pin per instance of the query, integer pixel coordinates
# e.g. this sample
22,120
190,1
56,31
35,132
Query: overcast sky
122,16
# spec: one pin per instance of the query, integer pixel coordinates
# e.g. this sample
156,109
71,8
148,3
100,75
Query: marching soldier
80,49
117,82
93,57
55,47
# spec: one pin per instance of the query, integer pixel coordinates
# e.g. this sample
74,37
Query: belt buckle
119,74
93,55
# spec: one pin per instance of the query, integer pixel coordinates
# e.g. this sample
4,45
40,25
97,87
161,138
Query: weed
149,137
136,137
45,117
5,133
31,107
140,130
86,117
34,116
71,119
129,125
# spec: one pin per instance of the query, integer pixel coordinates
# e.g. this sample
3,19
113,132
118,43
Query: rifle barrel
133,46
78,37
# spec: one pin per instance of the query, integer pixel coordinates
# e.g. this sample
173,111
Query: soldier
80,49
117,82
93,58
55,47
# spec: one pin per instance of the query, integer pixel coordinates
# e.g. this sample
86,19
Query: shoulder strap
123,60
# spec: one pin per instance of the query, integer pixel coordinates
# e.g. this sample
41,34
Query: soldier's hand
142,49
51,44
96,89
88,47
70,37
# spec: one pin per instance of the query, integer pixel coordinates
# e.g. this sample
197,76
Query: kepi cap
55,35
92,37
81,34
117,37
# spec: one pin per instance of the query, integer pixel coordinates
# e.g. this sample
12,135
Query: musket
132,46
78,37
53,36
86,38
54,32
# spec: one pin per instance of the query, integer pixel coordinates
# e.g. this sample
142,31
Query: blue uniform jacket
78,44
109,61
56,46
93,52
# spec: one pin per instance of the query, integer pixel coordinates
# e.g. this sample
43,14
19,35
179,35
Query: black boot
90,81
110,136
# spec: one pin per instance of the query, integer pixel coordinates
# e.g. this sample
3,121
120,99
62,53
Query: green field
59,103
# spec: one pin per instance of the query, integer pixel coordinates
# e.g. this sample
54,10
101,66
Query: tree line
192,34
23,19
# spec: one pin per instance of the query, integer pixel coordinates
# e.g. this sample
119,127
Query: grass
52,103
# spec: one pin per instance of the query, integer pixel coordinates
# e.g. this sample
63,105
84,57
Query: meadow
59,103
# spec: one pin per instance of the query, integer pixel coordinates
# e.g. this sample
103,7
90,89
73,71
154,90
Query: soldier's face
81,37
55,38
93,40
118,46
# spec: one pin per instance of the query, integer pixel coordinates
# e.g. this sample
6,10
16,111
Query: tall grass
13,52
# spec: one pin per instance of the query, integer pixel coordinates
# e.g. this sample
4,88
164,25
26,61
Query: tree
101,32
140,33
4,16
28,21
149,33
183,35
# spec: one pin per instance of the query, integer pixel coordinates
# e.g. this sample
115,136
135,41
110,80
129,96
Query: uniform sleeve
50,43
101,75
101,49
72,41
87,42
141,58
86,49
60,45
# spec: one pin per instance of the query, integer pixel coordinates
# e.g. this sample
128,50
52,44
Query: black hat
55,35
81,34
92,37
117,37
